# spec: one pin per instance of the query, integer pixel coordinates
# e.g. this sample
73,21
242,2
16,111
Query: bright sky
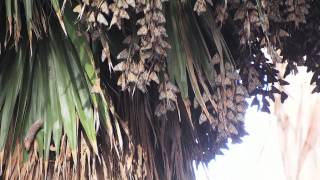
257,157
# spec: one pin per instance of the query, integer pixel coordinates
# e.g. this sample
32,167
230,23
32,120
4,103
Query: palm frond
53,86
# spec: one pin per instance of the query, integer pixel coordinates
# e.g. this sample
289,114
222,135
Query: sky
257,157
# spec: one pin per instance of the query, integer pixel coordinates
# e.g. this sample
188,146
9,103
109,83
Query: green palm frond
52,86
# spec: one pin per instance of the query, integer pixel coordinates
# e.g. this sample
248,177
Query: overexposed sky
256,158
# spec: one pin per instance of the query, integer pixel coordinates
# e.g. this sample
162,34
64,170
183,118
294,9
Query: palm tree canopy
140,89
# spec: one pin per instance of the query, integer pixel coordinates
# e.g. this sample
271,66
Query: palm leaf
63,91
